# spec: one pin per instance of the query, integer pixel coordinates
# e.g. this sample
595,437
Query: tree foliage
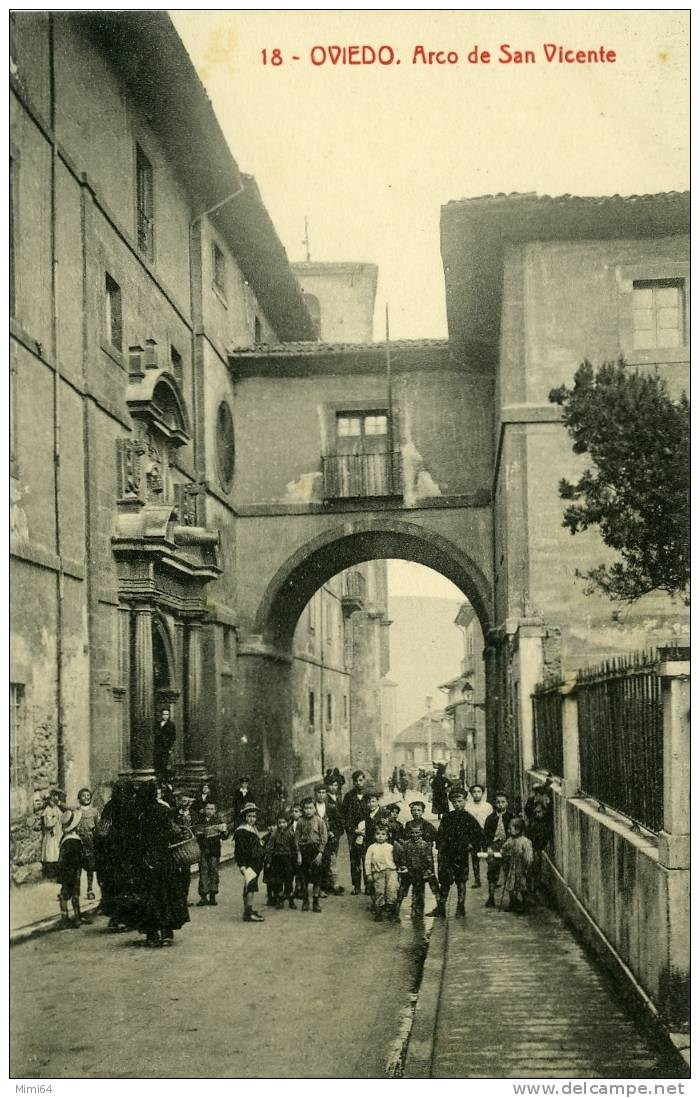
637,488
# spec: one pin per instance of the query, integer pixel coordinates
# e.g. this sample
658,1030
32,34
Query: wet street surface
300,995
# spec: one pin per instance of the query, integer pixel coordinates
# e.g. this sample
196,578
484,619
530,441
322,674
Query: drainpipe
198,455
55,348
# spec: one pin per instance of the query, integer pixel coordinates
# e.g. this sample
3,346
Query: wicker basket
185,852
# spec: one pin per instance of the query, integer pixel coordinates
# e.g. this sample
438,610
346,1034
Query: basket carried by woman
186,851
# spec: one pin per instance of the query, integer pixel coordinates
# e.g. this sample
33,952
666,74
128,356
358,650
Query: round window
225,446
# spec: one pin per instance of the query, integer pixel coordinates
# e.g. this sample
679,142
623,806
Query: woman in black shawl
115,857
162,909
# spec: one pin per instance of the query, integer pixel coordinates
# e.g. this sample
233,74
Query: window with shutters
144,203
658,313
113,313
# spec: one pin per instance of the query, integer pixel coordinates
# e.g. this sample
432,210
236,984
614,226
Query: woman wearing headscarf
162,909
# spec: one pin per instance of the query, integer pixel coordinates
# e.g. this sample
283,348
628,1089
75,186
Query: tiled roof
475,231
307,349
567,199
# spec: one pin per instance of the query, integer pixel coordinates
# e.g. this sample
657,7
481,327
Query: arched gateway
437,539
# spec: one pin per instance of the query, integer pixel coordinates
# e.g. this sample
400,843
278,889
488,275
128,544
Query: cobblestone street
300,995
519,998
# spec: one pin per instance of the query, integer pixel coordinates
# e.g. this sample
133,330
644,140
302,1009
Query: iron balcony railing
353,476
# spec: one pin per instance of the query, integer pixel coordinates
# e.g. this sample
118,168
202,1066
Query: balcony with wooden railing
361,476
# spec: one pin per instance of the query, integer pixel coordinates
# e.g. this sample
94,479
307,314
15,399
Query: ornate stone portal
165,556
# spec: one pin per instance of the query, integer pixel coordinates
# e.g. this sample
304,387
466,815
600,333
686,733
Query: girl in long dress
517,861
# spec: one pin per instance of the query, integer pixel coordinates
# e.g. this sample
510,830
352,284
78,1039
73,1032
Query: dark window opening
218,260
312,709
176,364
144,203
113,303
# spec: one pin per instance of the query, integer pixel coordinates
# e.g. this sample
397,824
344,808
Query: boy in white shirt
480,809
380,869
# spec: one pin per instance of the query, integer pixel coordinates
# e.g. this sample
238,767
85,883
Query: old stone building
340,298
466,697
534,286
190,465
139,255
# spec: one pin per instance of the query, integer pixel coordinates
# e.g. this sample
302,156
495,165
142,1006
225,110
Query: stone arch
341,547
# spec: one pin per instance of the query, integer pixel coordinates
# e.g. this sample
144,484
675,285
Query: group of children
68,849
296,856
401,859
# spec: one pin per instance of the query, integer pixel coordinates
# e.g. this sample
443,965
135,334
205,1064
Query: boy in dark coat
495,835
414,858
428,832
311,839
354,808
249,855
241,798
335,824
457,835
280,864
394,829
210,831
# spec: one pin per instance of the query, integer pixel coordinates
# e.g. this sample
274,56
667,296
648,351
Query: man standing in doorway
163,743
354,809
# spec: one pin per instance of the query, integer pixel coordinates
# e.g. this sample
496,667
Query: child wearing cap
311,839
248,852
210,831
380,869
414,858
458,834
393,827
280,863
70,868
428,832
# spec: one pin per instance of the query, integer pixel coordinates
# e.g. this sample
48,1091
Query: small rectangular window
113,312
329,710
218,261
375,425
658,308
312,709
144,203
176,364
349,426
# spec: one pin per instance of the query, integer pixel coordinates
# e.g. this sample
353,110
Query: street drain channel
396,1059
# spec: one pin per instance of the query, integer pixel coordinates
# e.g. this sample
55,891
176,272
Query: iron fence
547,722
620,723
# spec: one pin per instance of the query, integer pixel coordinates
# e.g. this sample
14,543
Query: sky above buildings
369,153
